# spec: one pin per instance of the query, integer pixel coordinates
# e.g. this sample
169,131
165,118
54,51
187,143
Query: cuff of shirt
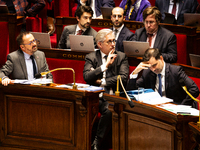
103,82
133,76
4,78
103,68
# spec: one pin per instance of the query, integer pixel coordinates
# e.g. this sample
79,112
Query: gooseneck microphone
182,83
45,73
117,93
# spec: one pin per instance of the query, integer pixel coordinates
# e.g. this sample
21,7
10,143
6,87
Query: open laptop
135,48
43,39
106,12
4,9
81,42
195,60
191,19
169,18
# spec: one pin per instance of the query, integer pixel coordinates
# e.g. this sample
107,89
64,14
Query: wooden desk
196,133
146,127
43,117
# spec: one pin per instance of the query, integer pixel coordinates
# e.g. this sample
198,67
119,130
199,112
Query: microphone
182,83
45,73
117,93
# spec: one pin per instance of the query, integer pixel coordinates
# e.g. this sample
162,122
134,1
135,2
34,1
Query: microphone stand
185,89
74,85
117,93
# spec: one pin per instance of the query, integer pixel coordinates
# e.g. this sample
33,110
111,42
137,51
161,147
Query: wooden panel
144,133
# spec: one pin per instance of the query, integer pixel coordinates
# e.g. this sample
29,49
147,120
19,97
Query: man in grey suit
154,68
84,17
122,33
181,7
25,62
101,69
157,36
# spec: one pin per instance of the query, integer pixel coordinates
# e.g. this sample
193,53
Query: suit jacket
64,42
124,35
24,7
15,66
99,4
173,89
165,41
119,67
185,6
143,5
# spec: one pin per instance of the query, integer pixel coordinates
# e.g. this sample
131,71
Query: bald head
117,17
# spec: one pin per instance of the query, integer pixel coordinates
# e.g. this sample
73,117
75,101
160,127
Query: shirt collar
78,28
102,54
26,56
163,70
119,29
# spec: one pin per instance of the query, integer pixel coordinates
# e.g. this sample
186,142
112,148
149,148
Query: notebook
43,39
195,60
135,48
81,42
4,9
191,19
106,12
169,18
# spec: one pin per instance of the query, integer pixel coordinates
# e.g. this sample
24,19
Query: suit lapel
181,3
23,63
166,5
153,80
158,38
166,76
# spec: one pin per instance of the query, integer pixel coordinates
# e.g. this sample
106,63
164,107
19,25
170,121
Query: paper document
34,81
180,109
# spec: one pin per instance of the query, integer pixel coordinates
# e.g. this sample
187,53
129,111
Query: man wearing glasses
101,69
122,33
25,62
157,36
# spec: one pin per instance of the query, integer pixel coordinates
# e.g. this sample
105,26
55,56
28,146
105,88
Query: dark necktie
80,32
150,38
115,31
174,8
160,85
34,65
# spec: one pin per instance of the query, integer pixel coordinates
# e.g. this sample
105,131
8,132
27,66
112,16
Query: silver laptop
43,39
4,9
135,48
191,19
106,12
195,60
81,42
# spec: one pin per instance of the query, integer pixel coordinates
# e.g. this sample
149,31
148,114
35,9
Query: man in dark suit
180,7
122,33
155,68
84,17
101,69
96,5
157,36
25,62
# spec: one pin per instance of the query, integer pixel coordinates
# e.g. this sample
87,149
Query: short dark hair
152,11
19,38
81,9
151,52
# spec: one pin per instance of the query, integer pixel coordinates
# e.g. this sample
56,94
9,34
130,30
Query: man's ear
77,18
22,46
99,44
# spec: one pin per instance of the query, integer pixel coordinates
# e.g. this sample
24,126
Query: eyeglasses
31,42
149,22
109,42
119,16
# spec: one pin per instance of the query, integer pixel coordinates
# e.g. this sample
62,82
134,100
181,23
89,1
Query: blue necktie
160,85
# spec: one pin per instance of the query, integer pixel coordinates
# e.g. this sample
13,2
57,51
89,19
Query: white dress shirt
171,4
